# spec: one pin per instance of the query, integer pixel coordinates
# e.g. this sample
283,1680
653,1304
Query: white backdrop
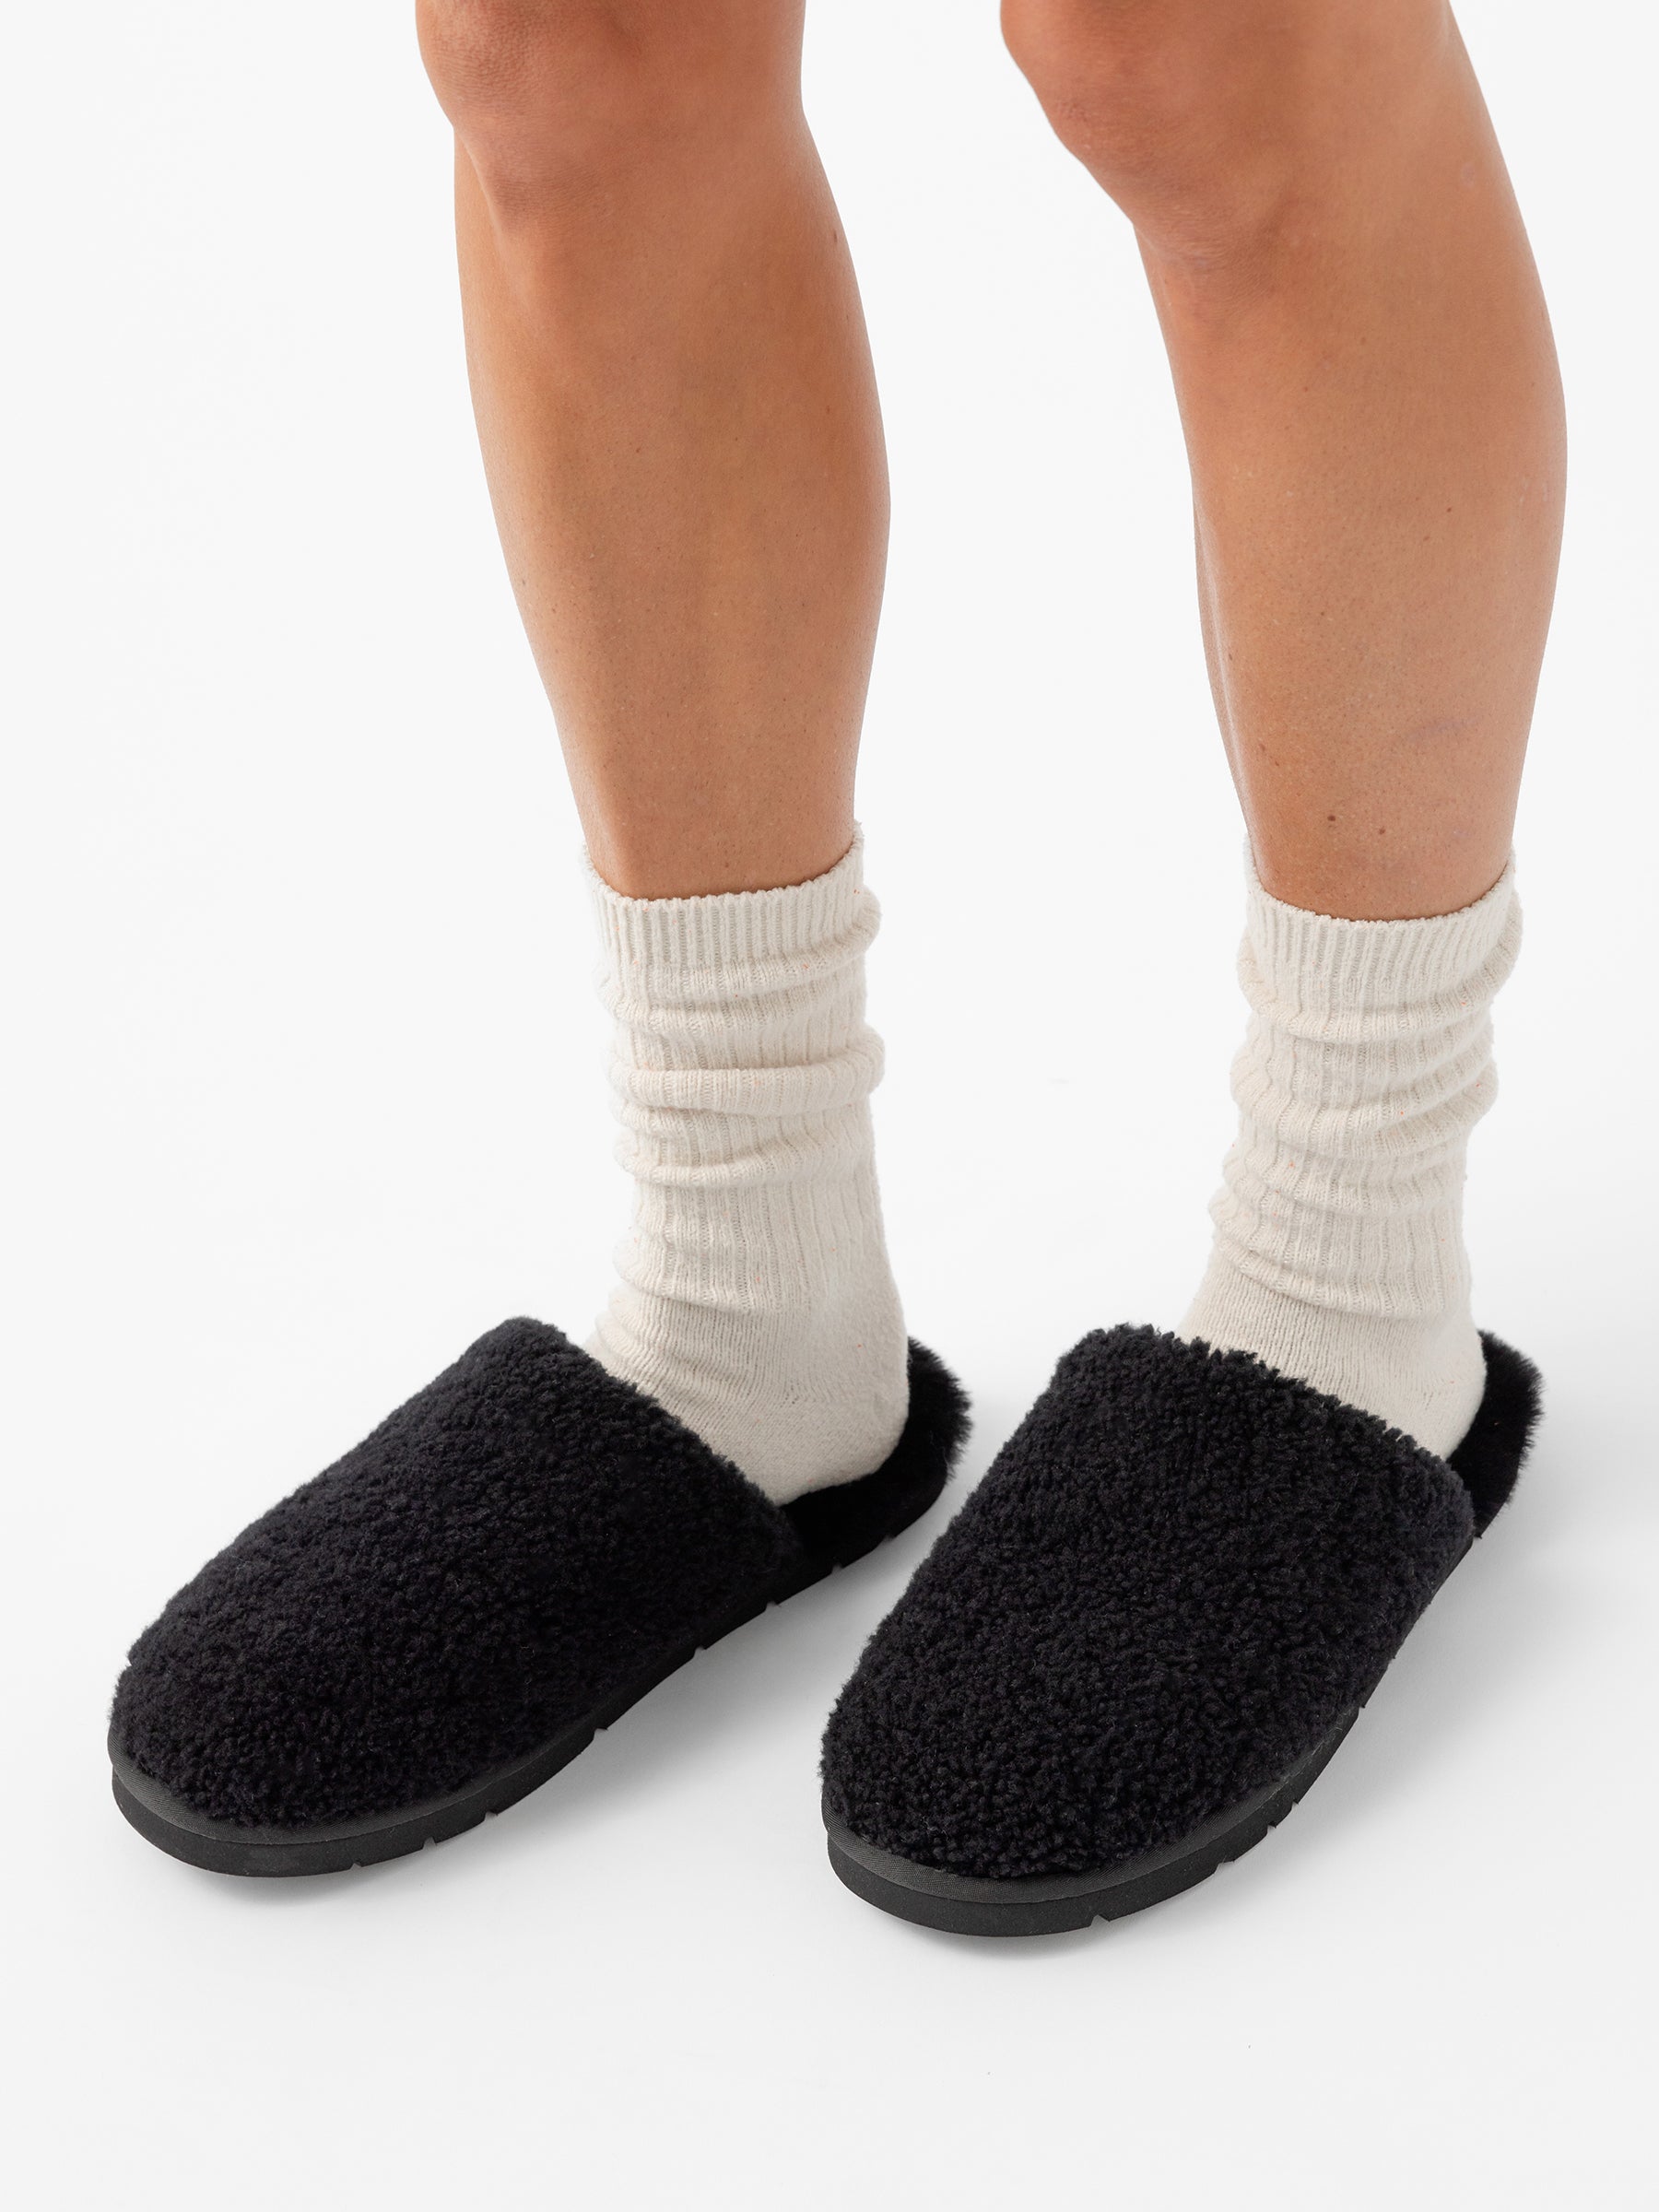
305,1091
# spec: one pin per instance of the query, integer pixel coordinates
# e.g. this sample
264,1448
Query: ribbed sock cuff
726,929
1324,965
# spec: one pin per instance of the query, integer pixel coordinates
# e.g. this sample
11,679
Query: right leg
678,419
679,425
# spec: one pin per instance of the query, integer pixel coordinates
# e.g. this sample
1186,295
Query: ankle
1339,1254
799,1398
756,1301
1421,1373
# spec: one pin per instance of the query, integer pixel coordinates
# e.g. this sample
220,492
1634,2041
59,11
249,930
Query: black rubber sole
225,1847
1048,1904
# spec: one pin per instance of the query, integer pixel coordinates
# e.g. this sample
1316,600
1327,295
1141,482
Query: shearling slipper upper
435,1625
1144,1632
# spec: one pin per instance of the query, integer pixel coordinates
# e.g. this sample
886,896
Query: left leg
1153,1622
1369,393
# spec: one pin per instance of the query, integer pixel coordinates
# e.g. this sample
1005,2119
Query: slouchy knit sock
1338,1254
755,1299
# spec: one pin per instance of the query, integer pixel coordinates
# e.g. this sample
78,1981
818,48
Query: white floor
305,1093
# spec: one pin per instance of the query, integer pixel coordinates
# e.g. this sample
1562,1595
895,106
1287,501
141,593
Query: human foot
1144,1635
436,1625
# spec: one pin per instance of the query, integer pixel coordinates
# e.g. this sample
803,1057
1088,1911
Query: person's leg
675,405
1151,1626
1368,393
678,419
679,424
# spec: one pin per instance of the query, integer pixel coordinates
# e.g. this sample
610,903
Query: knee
546,95
1205,119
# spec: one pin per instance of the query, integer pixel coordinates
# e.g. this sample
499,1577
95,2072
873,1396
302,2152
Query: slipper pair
1131,1652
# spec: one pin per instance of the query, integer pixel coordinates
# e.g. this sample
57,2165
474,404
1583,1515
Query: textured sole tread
1055,1904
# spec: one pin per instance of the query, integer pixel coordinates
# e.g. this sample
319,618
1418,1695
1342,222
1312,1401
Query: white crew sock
1339,1254
756,1301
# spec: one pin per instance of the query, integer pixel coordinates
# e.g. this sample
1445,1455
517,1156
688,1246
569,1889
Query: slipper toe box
522,1536
1183,1570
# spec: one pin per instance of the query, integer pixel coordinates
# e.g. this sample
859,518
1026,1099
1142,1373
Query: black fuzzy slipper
1144,1633
441,1620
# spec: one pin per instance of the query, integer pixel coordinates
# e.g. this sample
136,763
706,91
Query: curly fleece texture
1181,1571
523,1538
